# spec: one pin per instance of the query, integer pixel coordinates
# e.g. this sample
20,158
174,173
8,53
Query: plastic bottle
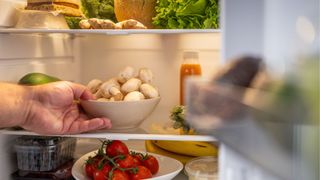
189,67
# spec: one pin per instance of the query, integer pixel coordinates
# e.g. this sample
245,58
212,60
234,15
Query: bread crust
65,10
76,2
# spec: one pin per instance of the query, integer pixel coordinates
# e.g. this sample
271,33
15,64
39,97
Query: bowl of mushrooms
127,99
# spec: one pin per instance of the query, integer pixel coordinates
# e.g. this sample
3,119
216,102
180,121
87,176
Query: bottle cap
190,55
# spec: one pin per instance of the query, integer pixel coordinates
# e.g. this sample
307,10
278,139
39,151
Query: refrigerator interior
275,31
80,58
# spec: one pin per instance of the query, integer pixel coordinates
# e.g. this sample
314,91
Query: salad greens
102,9
187,14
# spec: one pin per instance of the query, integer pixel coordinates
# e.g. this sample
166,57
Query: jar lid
202,167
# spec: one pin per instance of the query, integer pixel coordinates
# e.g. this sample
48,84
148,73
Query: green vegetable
73,22
187,14
102,9
37,79
178,116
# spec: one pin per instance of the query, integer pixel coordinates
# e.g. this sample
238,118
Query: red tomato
126,161
142,173
102,174
90,170
137,159
151,163
120,175
91,165
115,148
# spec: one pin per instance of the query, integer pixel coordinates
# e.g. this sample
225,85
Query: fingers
80,91
82,125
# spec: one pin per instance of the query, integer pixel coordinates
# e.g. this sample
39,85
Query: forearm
15,104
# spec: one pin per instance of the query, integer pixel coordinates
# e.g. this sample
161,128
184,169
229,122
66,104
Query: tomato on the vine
140,173
120,175
91,165
137,159
115,148
89,168
151,163
103,173
125,161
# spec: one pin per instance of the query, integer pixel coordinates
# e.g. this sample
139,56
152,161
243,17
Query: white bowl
123,114
168,167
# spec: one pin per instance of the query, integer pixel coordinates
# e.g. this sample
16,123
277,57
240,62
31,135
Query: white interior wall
103,57
51,54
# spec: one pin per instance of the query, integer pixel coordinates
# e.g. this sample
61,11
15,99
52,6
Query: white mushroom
126,74
134,96
94,85
132,84
145,75
149,91
103,99
99,94
111,88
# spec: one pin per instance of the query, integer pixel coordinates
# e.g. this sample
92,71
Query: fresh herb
178,116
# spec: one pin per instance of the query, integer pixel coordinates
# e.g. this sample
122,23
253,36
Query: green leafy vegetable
102,9
178,116
187,14
73,22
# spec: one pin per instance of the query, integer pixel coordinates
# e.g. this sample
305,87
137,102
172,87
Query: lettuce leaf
187,14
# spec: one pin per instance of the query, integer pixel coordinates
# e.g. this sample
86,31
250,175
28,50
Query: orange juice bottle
189,67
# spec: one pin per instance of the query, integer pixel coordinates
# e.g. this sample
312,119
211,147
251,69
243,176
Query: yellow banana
189,148
155,149
190,132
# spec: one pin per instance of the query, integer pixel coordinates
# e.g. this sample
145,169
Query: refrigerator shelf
137,134
106,32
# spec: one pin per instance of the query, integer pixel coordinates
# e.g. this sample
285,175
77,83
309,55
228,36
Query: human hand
53,110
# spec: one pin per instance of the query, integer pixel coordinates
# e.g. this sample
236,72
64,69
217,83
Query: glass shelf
137,134
106,32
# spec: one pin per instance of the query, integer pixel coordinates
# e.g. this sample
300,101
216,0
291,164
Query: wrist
28,99
15,104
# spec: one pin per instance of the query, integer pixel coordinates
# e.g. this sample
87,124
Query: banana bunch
183,151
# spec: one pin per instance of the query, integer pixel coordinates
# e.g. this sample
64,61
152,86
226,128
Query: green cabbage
187,14
102,9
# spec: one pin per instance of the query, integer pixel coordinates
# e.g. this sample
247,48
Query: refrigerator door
258,143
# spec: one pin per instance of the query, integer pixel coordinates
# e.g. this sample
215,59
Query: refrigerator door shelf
258,125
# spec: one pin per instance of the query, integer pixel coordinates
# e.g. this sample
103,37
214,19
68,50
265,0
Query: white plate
168,167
